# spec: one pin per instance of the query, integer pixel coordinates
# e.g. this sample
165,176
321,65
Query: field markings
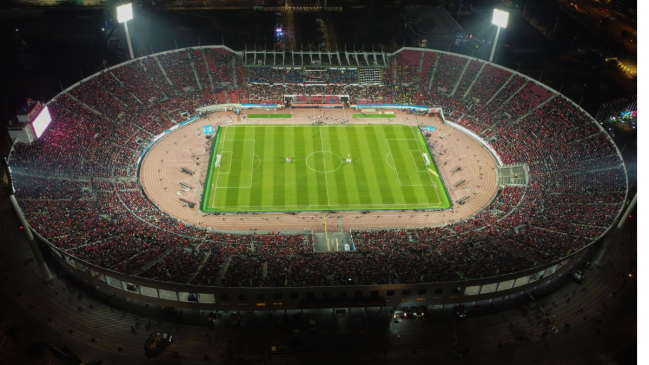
388,162
229,166
254,142
216,181
349,206
439,198
395,163
324,166
415,161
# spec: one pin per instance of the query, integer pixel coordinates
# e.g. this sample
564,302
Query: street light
500,20
124,14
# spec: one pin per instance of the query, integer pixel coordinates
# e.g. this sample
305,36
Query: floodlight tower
124,14
500,20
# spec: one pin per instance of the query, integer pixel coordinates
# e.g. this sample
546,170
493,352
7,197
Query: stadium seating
66,184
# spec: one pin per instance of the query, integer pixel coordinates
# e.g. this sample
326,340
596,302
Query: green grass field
373,115
269,115
387,170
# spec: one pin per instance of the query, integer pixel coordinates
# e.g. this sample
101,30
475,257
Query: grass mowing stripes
387,170
270,115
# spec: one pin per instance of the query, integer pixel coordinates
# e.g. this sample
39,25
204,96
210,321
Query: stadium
208,178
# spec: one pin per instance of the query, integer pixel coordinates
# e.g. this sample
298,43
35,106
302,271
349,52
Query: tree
12,334
35,350
626,34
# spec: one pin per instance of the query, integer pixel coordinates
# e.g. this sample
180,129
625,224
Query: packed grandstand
76,184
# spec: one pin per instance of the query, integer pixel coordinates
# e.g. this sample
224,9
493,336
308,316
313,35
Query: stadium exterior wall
246,299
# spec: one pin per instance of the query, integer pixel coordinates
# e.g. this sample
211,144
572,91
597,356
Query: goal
426,160
218,161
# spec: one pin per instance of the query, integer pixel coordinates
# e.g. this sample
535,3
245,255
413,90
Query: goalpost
218,161
426,160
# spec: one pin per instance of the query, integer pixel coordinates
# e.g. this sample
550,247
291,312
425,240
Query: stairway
207,68
198,269
432,75
474,80
459,79
499,90
536,108
83,104
191,64
164,73
234,72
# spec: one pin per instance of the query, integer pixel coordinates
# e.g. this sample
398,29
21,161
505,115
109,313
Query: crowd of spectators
468,77
199,62
491,79
154,73
448,71
178,265
67,183
178,70
427,69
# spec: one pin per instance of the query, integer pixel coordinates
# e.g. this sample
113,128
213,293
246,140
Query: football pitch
387,171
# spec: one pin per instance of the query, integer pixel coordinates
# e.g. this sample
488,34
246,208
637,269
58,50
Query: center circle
324,161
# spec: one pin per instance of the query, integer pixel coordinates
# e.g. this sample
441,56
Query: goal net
218,161
426,160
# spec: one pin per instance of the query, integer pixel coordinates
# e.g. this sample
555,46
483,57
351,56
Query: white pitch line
252,171
216,182
394,162
439,199
324,166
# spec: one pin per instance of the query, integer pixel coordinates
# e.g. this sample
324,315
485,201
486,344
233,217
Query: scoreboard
41,122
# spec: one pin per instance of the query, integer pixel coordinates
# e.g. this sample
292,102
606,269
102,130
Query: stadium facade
124,96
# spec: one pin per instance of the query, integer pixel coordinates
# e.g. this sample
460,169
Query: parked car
576,277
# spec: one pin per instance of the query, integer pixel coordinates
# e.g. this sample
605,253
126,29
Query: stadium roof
432,21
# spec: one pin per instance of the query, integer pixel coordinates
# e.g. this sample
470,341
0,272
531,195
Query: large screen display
41,122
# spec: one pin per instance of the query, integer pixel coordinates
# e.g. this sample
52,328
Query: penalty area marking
223,154
415,161
395,163
387,161
439,198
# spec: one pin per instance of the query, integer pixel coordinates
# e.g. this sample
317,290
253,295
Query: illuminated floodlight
125,13
500,18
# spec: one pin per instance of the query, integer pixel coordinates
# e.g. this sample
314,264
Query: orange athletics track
161,175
